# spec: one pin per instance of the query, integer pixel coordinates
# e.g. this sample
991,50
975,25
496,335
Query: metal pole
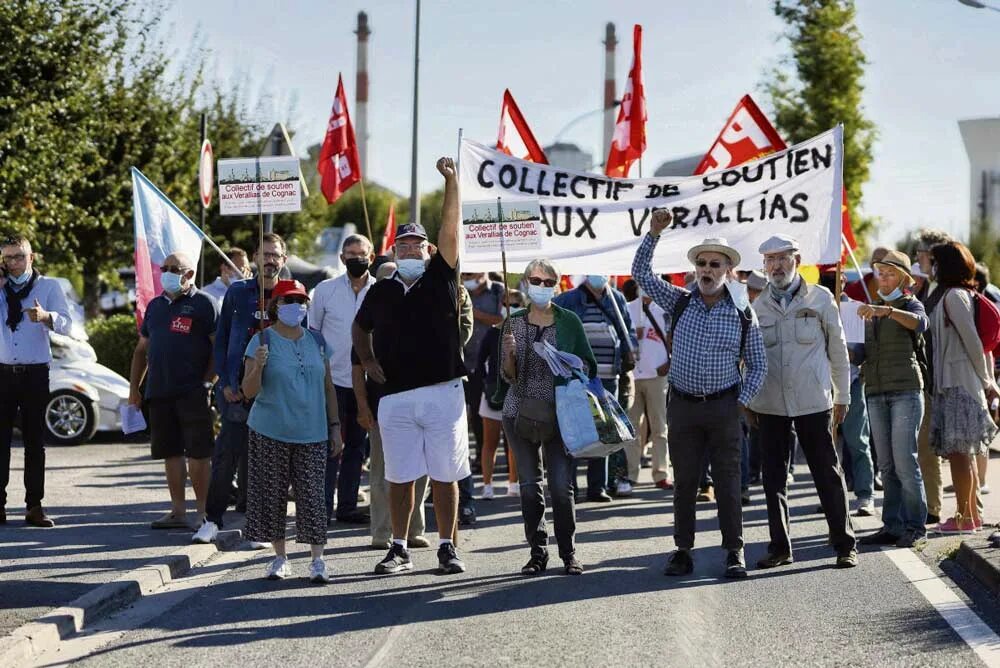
204,136
414,196
275,150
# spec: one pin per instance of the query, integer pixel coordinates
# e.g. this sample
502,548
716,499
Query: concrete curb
45,633
981,561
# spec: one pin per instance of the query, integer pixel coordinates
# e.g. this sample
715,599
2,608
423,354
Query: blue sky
932,62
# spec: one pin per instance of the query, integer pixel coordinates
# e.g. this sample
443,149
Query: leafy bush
114,341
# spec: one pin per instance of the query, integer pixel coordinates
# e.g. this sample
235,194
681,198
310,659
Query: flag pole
364,206
503,258
204,136
861,274
260,250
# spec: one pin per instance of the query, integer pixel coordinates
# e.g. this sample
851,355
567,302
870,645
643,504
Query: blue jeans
597,468
858,443
895,421
343,474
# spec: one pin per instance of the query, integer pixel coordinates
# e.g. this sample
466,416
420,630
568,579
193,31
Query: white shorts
486,412
424,432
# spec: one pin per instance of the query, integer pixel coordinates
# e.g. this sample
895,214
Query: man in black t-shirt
406,335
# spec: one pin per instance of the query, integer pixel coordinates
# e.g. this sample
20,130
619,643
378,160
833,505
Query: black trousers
816,441
26,391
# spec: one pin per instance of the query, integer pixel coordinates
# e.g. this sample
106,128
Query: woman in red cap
293,429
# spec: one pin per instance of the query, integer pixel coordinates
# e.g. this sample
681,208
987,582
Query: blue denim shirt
237,323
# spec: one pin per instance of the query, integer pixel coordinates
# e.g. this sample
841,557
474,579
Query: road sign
206,179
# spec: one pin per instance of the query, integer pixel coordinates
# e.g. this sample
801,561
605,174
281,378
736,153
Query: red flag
514,136
339,164
629,140
748,135
389,237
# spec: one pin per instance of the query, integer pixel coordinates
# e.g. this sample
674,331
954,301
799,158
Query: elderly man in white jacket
808,383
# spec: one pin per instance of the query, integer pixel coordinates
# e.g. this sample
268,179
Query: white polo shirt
332,310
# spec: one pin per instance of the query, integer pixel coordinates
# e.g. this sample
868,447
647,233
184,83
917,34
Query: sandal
573,567
535,565
170,521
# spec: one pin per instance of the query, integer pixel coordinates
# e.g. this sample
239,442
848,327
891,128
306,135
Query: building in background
684,166
981,137
569,156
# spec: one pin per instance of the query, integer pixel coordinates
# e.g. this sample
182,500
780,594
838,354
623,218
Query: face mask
597,282
171,282
357,266
291,314
892,296
410,269
20,280
540,295
738,291
471,284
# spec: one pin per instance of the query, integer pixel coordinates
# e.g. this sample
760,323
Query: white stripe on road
977,635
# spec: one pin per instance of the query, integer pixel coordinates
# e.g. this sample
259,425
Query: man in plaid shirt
715,371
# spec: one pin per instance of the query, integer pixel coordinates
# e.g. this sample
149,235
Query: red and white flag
749,135
339,164
514,136
629,140
389,237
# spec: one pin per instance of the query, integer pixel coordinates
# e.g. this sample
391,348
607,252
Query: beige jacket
807,366
959,360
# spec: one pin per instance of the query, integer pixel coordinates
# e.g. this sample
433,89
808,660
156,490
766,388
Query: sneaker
624,488
679,563
954,526
881,537
774,560
258,545
911,538
865,508
448,561
208,532
706,494
513,489
599,497
487,492
317,572
848,560
985,489
278,569
736,567
467,517
396,561
667,483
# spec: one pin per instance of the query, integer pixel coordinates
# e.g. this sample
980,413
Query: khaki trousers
650,401
930,463
381,522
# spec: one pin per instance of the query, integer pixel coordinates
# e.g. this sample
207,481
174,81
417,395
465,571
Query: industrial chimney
609,87
361,92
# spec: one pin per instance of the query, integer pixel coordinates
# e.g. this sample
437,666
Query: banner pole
861,274
364,206
204,136
260,247
503,263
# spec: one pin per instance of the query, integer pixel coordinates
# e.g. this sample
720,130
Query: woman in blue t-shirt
293,429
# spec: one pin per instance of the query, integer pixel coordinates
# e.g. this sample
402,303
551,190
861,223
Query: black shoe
600,497
933,519
735,566
467,517
572,567
847,560
911,538
774,560
679,563
36,517
396,561
354,517
448,561
819,510
537,564
880,537
3,516
877,484
745,497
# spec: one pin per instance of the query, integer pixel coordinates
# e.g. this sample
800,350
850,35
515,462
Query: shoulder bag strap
659,332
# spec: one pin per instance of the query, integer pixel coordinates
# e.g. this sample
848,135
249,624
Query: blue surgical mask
20,280
291,314
411,269
597,282
171,282
540,295
892,296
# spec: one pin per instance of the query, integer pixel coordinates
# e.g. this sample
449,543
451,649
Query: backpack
746,317
987,318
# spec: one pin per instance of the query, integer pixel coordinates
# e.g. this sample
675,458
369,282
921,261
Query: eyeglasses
714,264
411,247
17,257
547,282
272,256
777,259
294,299
173,269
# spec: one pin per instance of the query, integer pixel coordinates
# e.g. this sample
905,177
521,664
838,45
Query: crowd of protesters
391,366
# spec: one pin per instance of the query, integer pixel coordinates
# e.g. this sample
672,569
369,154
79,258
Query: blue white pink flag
160,229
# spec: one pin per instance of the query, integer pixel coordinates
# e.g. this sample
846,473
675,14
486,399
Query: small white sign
854,326
132,419
259,185
489,226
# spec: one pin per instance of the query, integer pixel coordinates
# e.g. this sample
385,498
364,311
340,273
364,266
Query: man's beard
781,282
708,286
270,270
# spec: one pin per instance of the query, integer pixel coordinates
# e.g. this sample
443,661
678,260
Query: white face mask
738,291
472,284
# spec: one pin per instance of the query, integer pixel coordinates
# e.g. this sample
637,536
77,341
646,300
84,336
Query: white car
85,396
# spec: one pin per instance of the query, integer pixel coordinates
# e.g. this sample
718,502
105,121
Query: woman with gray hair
526,389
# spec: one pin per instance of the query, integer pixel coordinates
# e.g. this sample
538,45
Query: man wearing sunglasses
717,365
174,353
32,305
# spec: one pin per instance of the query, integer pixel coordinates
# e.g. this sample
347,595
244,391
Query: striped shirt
706,346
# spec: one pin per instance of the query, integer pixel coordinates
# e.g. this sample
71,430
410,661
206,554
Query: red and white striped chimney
361,92
609,87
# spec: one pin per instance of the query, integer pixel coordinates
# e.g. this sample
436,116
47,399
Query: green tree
819,85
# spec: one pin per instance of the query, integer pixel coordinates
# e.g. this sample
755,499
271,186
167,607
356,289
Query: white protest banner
259,185
592,224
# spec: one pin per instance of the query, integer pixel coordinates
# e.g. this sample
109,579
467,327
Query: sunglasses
547,282
514,305
714,264
295,299
172,269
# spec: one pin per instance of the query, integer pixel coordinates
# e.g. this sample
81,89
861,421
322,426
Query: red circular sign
206,173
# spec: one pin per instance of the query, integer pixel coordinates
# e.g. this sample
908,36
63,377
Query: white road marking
976,634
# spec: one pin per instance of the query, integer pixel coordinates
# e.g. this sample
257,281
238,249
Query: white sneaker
208,532
487,492
513,489
985,489
624,488
791,479
257,545
279,569
317,572
866,508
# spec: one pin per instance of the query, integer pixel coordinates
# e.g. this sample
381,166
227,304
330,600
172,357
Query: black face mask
357,266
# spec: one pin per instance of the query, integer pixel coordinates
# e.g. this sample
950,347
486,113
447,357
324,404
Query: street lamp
979,5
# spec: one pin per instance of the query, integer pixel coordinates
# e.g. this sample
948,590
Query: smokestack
361,92
609,87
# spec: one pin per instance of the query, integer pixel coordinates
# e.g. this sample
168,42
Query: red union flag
629,140
389,237
339,165
514,137
748,135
